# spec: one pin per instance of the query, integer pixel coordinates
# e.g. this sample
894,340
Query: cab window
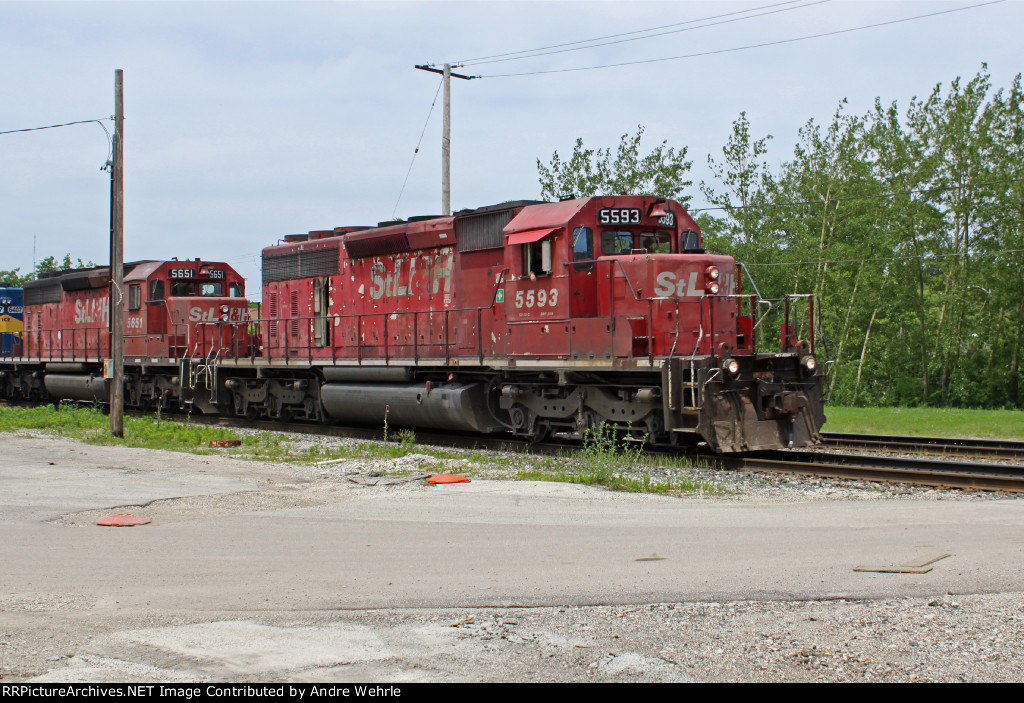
190,289
156,289
134,296
236,290
690,241
583,249
615,242
656,242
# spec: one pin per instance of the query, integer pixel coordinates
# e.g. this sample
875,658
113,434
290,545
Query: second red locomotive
180,317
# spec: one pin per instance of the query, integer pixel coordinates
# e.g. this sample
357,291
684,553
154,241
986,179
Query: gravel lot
946,637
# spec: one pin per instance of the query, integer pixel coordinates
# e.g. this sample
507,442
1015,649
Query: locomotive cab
659,324
185,309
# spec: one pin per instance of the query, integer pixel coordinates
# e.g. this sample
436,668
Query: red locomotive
528,317
180,317
532,318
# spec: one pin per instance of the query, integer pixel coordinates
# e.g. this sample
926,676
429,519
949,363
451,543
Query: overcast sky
246,121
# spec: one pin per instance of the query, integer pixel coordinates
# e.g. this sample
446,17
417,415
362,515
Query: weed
407,439
603,452
609,461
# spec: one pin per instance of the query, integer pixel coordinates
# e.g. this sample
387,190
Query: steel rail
945,446
925,472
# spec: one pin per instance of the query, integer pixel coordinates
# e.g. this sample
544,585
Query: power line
893,194
556,48
612,36
110,143
54,126
975,255
748,46
416,151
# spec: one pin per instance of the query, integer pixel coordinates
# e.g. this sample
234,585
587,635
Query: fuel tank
92,389
443,407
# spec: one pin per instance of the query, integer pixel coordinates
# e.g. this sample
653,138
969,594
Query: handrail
193,339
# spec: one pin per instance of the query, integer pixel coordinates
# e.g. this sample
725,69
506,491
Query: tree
13,278
661,173
745,178
50,264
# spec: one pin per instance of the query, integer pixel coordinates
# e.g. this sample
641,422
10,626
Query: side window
690,241
235,290
537,258
156,289
583,249
615,242
134,296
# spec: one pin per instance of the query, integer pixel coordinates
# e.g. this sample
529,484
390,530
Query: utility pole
446,136
446,145
117,263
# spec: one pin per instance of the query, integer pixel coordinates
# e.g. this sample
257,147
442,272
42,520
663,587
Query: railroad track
961,474
924,472
1004,449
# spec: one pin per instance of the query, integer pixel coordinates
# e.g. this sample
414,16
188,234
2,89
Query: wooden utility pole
117,263
446,136
446,145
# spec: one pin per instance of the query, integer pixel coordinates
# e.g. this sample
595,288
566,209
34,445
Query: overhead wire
110,142
54,126
748,46
416,151
599,41
975,255
915,191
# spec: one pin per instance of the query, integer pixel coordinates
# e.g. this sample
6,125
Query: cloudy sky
246,121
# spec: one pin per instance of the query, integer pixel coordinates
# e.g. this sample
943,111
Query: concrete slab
230,538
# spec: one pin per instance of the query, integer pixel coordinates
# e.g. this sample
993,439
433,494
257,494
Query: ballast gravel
943,638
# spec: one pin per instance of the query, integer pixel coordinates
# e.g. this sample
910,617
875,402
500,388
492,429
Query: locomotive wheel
541,433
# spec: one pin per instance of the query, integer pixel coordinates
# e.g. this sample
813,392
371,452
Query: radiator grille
300,264
482,231
377,245
38,293
295,314
272,314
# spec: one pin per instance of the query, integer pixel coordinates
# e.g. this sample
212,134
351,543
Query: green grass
603,460
89,424
927,422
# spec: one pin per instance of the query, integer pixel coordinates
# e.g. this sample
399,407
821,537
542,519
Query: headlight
809,363
224,317
713,288
712,272
223,308
731,366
